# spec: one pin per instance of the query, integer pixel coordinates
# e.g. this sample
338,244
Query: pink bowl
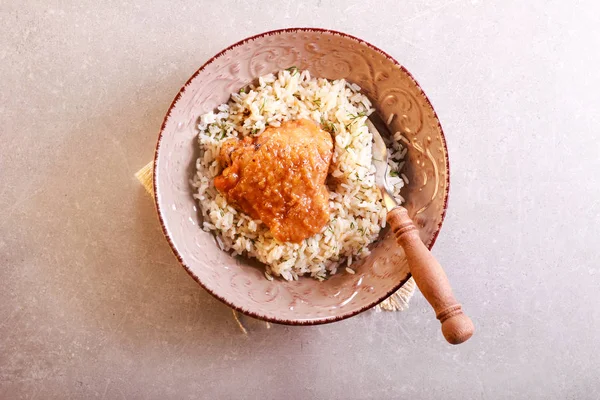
240,283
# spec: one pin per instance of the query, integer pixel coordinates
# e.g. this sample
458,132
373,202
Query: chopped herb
222,213
328,126
223,131
293,70
353,118
394,173
360,114
352,225
254,131
262,107
243,90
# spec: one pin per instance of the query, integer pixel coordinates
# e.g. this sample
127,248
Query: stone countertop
94,305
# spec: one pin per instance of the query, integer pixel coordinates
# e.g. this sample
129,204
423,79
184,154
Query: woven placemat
396,302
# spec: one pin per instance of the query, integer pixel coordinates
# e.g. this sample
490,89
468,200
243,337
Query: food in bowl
238,281
278,177
285,175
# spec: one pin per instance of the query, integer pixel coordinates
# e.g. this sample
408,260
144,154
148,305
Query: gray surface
93,304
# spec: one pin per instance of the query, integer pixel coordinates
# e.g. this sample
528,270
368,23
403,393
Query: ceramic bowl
239,282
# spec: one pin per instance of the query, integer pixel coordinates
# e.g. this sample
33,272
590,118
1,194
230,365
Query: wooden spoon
428,274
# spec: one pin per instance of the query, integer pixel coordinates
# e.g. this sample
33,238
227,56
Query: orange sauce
279,178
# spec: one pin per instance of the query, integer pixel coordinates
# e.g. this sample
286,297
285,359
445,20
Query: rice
356,211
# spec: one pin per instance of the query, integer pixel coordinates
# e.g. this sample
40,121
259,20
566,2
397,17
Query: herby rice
356,212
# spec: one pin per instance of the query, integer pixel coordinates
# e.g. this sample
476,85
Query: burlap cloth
396,302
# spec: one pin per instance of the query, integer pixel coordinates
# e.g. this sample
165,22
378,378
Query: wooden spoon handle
430,278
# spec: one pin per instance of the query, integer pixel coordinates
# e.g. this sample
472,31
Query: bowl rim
283,321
